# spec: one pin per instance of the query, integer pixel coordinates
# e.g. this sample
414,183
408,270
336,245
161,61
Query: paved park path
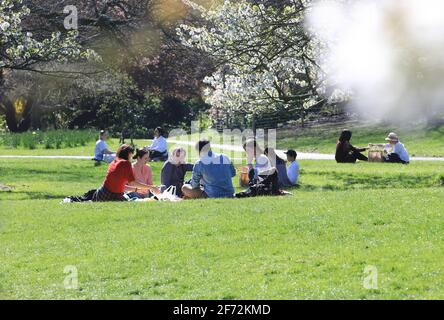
301,155
226,147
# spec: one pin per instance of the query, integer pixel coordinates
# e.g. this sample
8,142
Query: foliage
20,50
48,140
265,57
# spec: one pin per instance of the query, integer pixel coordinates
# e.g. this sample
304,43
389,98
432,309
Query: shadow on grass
337,181
49,175
29,195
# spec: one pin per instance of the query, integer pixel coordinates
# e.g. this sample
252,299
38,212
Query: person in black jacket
345,152
174,170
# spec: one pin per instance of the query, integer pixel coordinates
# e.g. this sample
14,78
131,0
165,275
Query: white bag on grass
169,195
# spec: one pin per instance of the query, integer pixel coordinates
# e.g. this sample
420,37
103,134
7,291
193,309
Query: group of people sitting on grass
394,151
158,150
212,175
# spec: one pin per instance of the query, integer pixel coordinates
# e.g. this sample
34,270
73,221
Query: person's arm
107,151
132,181
149,178
165,176
152,146
268,172
134,185
197,176
189,167
360,149
159,145
233,170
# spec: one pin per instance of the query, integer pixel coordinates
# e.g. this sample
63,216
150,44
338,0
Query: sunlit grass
314,244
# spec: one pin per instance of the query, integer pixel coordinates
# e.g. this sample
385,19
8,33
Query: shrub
56,139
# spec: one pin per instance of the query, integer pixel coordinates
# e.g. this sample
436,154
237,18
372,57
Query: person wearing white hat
396,152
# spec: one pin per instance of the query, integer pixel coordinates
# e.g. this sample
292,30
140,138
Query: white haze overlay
387,54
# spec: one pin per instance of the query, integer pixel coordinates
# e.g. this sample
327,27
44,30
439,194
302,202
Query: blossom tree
19,50
266,58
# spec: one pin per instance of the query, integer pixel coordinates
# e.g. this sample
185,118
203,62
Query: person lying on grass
142,173
174,171
396,152
101,150
345,152
214,171
120,176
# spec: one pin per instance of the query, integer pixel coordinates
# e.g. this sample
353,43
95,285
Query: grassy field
418,139
86,150
312,245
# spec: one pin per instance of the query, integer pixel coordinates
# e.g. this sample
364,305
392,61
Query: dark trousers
271,181
394,158
156,154
351,158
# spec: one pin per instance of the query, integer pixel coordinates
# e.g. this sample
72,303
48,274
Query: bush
56,139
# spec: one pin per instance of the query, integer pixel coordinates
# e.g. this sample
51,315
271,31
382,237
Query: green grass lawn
87,150
419,140
312,245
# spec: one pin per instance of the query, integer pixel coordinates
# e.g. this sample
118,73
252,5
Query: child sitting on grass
293,168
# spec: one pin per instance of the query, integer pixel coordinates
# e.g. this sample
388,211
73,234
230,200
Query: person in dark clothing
280,166
174,171
346,152
264,179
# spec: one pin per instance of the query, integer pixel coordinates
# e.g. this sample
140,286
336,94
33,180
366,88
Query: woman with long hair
142,173
346,152
119,176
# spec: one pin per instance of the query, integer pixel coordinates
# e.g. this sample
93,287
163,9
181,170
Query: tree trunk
24,123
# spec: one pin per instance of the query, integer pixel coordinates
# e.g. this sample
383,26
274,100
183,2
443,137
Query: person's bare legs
190,193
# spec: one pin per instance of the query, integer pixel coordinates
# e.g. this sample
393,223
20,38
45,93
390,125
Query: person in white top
293,168
262,170
159,147
101,150
396,152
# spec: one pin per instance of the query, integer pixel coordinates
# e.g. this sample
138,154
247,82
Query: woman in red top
119,175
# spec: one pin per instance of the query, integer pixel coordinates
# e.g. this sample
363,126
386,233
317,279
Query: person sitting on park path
101,150
280,166
397,153
345,152
293,168
214,171
159,147
142,173
119,177
263,176
174,170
